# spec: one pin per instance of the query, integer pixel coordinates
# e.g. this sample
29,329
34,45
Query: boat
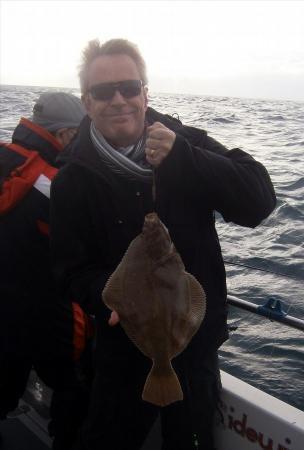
249,419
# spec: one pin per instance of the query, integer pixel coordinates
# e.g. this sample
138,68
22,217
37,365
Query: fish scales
160,305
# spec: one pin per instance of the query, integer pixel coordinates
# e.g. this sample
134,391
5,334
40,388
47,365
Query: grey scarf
127,161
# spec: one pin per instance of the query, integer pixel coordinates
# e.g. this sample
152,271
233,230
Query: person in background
98,203
38,329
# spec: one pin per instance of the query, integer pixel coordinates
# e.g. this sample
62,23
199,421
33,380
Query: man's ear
60,135
85,98
145,92
65,135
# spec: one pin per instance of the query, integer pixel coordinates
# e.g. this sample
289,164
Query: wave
274,118
223,120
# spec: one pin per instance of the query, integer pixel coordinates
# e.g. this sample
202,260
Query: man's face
65,135
119,119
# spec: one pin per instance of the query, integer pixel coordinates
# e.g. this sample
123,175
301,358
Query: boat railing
272,309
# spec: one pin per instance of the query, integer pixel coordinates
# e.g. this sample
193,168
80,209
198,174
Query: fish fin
198,297
162,387
114,289
112,292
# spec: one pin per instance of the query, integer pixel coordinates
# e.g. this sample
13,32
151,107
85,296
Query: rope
263,270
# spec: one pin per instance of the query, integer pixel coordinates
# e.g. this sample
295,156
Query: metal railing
272,309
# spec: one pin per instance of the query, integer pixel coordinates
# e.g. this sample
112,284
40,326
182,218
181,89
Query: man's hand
159,143
114,319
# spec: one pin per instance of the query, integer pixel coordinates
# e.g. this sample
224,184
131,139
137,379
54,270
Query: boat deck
250,418
26,427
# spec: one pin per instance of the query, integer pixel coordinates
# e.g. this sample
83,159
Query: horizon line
165,93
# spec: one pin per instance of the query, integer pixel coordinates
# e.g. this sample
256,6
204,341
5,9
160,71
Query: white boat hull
251,420
254,420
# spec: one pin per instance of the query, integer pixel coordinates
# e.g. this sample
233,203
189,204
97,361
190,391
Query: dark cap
55,110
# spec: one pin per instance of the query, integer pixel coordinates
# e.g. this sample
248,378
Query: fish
160,306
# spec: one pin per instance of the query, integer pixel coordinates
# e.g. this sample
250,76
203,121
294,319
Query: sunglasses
106,91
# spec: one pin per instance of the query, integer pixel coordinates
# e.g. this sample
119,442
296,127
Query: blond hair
112,47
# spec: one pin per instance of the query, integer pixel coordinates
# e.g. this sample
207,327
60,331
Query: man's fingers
159,143
159,133
154,152
155,126
114,319
153,157
152,143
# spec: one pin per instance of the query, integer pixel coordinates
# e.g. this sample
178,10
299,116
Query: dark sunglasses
106,91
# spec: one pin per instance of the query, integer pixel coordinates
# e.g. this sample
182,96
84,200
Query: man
98,203
37,328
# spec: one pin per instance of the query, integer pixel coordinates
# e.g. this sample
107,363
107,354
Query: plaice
160,305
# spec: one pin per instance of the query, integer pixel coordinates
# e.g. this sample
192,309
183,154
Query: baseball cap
55,110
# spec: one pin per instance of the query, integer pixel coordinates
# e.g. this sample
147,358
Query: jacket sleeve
76,265
231,181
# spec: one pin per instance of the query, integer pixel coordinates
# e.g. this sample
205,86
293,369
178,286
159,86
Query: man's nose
117,98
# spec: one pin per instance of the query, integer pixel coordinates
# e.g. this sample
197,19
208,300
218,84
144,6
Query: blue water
265,354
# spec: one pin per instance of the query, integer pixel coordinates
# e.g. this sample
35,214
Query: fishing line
234,326
154,188
279,274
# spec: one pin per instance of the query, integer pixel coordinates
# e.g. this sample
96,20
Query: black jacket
34,322
96,213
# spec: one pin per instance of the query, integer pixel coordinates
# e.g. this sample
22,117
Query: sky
251,49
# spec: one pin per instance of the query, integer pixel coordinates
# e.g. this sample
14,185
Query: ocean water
264,262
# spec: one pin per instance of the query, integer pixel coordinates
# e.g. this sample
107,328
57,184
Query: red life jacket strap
42,132
83,330
23,177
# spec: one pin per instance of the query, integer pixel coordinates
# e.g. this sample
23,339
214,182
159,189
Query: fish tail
162,386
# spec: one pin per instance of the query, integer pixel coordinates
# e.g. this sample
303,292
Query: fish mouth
151,218
152,222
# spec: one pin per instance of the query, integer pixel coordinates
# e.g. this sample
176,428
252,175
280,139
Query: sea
261,263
